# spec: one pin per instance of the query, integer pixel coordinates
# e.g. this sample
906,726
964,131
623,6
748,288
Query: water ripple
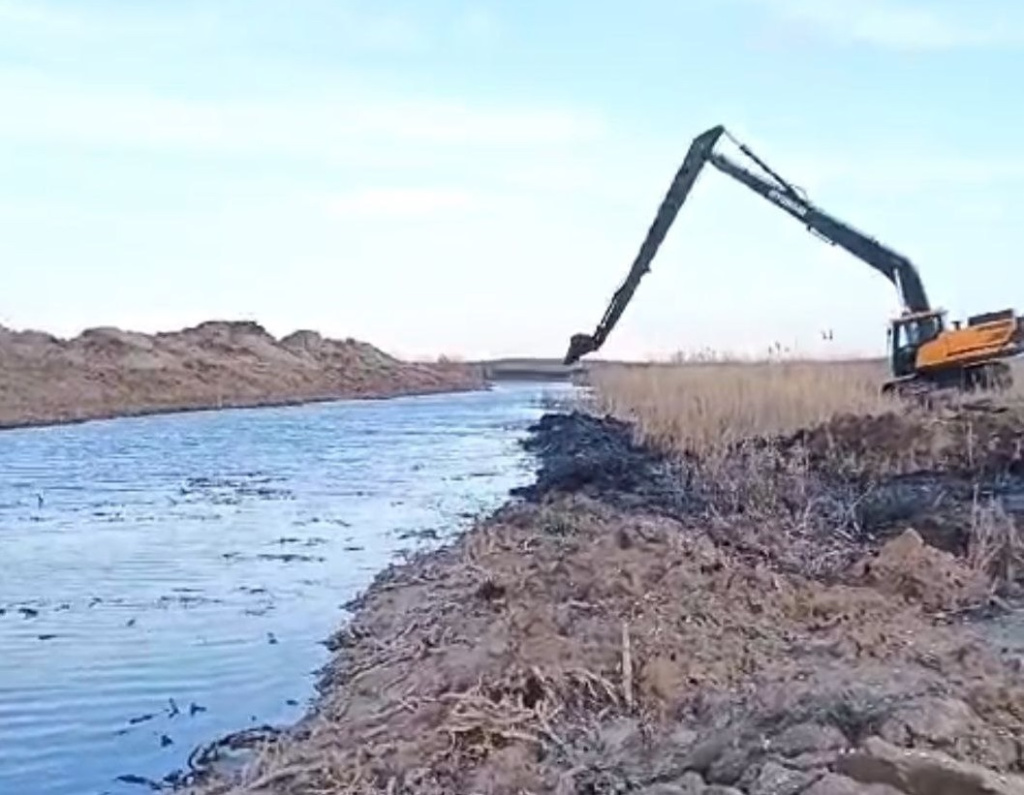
168,579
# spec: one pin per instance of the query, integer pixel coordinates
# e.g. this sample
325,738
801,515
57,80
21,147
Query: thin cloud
907,25
401,202
38,15
38,109
477,26
352,26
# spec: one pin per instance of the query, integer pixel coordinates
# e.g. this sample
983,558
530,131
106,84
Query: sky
474,177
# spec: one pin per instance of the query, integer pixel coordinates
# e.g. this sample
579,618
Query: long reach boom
894,266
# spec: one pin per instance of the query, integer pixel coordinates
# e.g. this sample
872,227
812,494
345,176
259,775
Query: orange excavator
925,352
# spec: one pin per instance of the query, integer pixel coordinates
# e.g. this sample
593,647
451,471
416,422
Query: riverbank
786,612
105,373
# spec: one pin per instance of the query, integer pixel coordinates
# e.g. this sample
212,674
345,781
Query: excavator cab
908,333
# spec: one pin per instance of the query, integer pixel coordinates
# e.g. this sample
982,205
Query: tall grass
701,407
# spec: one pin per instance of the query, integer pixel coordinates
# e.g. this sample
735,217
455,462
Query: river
169,579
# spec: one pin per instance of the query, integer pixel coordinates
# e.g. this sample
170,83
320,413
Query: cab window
928,329
917,332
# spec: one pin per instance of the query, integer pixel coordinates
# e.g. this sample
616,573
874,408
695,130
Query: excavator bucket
579,346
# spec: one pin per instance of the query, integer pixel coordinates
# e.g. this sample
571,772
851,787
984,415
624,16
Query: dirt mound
107,372
978,439
908,567
955,476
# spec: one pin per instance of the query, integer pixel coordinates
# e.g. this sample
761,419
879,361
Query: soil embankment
107,372
792,617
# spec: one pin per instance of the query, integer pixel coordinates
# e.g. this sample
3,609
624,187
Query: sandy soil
107,372
799,616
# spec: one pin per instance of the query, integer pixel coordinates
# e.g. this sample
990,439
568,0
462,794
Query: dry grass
717,409
705,406
995,544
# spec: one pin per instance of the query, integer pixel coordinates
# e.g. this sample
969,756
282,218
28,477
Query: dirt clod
834,784
776,779
924,772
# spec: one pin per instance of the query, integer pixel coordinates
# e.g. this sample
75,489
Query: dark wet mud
580,453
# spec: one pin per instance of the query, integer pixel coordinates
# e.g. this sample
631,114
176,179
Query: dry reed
705,406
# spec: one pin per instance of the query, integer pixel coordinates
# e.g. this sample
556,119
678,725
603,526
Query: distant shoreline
107,373
258,403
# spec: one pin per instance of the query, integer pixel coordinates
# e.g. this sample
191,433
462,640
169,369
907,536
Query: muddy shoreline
635,622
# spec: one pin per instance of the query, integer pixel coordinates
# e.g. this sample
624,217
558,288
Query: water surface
168,579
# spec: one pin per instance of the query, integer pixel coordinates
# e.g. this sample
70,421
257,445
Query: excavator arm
582,344
897,268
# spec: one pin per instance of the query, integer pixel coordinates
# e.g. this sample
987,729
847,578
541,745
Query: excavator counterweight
924,353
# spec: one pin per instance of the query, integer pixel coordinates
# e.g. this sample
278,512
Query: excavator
925,353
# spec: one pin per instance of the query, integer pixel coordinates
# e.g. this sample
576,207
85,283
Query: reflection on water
168,579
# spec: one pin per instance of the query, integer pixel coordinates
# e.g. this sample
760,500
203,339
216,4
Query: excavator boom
897,268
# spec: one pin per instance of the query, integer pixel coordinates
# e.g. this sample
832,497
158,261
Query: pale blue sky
476,177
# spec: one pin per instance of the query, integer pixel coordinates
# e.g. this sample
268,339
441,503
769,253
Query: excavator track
989,376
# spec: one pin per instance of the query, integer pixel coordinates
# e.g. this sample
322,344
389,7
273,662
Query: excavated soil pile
955,476
570,644
106,372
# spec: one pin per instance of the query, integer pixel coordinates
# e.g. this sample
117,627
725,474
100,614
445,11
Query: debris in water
131,778
291,557
426,534
46,636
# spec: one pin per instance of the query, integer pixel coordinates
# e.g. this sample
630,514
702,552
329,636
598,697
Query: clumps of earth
107,372
636,623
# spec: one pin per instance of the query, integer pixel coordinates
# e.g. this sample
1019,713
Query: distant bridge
530,370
